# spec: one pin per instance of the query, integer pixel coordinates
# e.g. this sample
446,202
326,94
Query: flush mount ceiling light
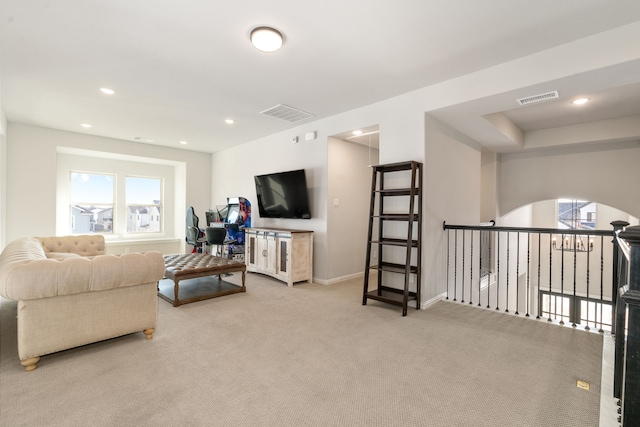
85,125
183,142
266,39
580,101
229,121
106,91
357,132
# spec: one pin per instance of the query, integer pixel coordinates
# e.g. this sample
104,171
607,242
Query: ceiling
179,69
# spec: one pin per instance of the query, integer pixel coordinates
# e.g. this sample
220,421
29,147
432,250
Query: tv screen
283,195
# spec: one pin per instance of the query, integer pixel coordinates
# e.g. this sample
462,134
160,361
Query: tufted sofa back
84,245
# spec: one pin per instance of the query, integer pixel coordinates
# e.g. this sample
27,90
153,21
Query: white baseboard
424,305
338,279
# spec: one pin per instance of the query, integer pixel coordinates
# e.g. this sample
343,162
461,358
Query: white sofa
70,293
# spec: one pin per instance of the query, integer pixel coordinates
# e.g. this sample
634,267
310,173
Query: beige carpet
311,355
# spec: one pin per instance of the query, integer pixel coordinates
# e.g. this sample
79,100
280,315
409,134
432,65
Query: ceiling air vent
287,113
538,98
142,139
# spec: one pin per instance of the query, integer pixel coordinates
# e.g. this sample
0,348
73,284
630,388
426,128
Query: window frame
171,172
575,310
87,204
159,206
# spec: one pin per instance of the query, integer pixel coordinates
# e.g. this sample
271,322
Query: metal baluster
463,259
601,279
448,256
498,273
518,274
528,272
481,271
489,277
561,286
471,278
550,275
539,252
455,269
575,260
587,328
508,265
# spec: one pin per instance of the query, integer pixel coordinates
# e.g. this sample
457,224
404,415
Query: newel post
618,309
631,296
617,271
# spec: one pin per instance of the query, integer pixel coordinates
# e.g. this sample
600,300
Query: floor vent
538,98
287,113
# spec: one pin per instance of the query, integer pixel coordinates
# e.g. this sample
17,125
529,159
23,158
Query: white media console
284,254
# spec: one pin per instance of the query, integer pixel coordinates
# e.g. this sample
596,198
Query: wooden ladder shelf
395,207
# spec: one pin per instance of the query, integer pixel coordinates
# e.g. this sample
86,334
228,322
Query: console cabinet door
251,251
266,252
283,267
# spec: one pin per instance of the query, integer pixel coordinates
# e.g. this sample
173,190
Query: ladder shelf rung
397,217
394,268
391,295
396,167
395,242
398,192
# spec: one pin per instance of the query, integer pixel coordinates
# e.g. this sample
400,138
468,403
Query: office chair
215,236
192,219
194,239
195,236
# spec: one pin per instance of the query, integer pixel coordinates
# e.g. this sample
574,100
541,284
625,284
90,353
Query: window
143,204
92,203
597,314
592,312
555,307
576,214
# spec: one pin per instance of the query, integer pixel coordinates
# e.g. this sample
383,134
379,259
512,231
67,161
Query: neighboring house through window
92,202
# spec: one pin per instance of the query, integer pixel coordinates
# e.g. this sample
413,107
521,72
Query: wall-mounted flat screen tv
283,195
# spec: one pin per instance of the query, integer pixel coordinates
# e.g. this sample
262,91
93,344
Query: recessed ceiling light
229,121
85,125
357,132
266,39
106,91
183,142
580,101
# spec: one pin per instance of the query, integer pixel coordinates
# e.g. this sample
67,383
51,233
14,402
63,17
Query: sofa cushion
61,255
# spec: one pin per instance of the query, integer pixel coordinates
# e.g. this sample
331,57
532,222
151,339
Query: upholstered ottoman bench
193,266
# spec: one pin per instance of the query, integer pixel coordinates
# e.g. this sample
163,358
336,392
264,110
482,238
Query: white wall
31,179
233,174
452,194
600,173
349,175
489,182
3,172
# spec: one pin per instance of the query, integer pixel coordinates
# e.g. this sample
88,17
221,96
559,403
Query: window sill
123,241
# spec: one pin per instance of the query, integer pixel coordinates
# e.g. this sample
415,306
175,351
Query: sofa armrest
42,278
